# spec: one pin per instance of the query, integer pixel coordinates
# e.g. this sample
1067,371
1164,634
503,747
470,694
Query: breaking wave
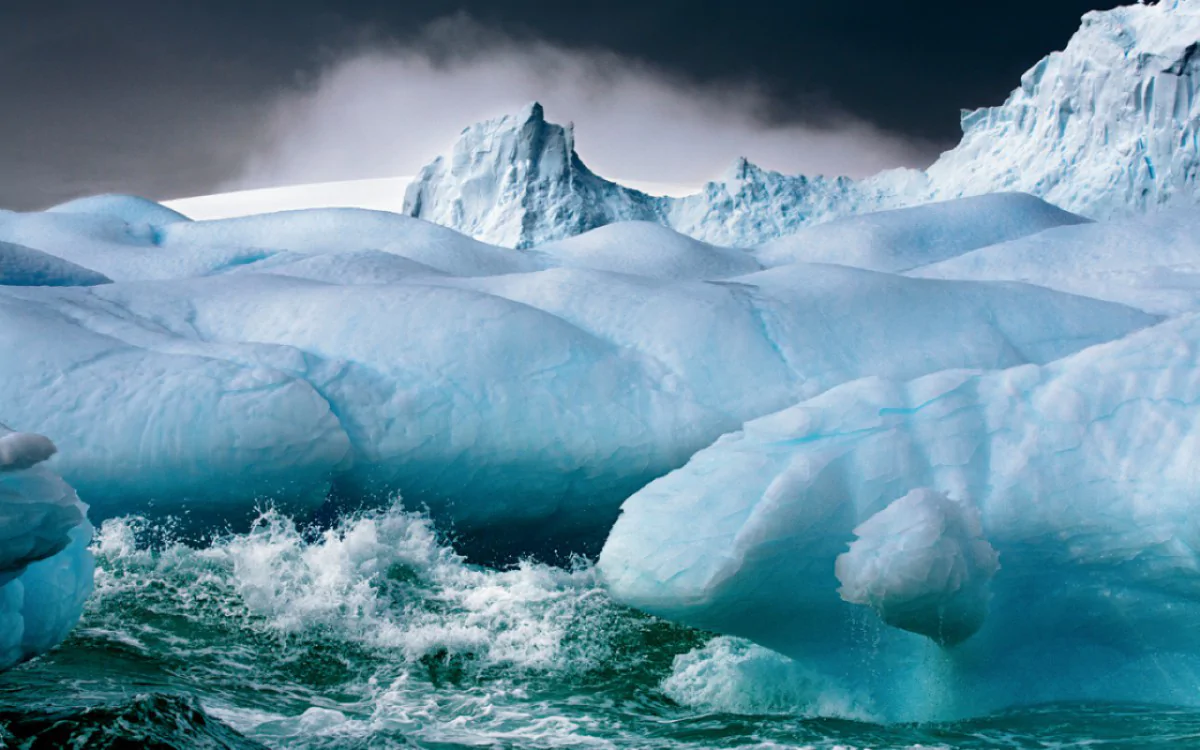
373,633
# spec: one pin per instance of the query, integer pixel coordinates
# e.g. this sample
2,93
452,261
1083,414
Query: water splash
375,634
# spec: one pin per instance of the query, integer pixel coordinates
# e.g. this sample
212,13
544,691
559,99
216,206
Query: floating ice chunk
1104,128
921,563
516,181
346,355
45,567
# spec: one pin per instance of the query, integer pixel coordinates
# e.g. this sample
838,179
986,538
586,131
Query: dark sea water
375,635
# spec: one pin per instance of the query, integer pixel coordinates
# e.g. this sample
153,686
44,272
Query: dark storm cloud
173,97
383,110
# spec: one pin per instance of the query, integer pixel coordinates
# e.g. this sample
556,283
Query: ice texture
1110,126
45,566
952,544
517,181
1152,263
641,248
23,266
341,356
1107,127
908,238
923,565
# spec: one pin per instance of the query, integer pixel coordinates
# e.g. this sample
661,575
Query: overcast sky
183,97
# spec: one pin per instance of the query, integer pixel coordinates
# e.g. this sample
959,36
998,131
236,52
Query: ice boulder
45,566
923,565
20,450
954,544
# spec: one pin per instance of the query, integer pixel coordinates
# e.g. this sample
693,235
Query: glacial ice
956,465
1151,263
45,566
642,248
516,181
907,238
952,544
340,355
1108,127
22,266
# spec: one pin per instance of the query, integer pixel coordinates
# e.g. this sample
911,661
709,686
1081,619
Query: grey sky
174,97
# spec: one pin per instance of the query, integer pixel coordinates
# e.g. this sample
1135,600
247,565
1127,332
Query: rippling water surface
375,635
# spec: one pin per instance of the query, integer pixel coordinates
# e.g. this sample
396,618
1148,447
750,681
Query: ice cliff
1107,127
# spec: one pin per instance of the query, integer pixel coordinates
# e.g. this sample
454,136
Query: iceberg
516,181
334,357
953,544
45,566
1108,127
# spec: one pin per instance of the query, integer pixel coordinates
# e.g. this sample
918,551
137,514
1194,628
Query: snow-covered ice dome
334,355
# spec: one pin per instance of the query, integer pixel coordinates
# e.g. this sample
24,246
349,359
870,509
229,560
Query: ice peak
534,112
743,170
529,121
517,181
1108,126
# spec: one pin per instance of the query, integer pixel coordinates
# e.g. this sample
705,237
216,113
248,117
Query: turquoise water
375,635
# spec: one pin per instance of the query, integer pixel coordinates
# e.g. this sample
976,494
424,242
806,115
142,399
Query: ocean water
374,634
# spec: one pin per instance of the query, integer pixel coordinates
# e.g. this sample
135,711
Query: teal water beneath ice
375,635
